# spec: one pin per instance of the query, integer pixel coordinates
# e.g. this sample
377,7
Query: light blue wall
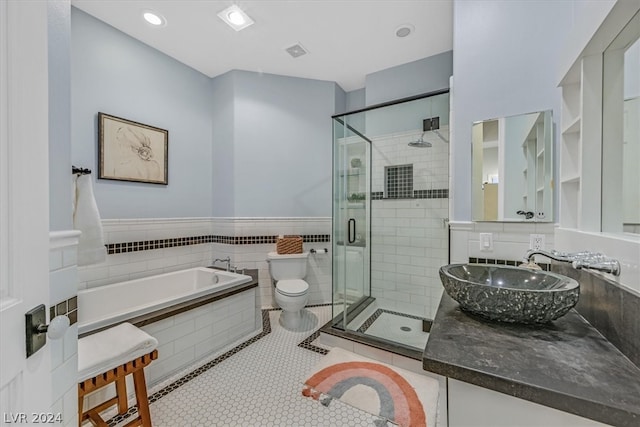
59,19
116,74
421,76
355,100
506,57
222,164
243,144
282,145
340,100
407,116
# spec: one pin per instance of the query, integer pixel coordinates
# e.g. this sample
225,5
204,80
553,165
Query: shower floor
399,327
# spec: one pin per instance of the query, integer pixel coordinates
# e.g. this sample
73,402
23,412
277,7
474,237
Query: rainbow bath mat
394,394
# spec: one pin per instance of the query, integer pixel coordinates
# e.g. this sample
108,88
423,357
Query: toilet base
291,320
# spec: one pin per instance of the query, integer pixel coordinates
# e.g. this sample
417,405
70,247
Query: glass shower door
351,225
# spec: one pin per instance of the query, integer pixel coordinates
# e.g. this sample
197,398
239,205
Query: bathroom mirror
621,132
512,168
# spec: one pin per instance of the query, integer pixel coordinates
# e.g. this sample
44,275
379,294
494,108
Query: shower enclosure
390,211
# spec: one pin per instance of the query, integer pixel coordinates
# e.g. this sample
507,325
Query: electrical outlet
536,241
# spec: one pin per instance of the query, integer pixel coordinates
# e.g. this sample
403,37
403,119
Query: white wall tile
63,285
64,377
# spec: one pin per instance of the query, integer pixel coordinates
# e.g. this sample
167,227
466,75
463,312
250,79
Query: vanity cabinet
507,374
470,405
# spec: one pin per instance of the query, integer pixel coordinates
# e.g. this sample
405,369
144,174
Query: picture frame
132,151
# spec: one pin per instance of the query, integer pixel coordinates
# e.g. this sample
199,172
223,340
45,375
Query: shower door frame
341,173
342,320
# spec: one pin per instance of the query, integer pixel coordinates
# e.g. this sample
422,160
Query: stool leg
121,392
80,404
142,398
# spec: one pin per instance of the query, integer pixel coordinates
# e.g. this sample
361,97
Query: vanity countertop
567,364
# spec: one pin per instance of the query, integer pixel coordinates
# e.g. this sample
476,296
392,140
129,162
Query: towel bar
117,375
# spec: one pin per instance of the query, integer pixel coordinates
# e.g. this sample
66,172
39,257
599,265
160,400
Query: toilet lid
292,287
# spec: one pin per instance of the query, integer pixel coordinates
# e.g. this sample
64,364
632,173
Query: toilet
291,292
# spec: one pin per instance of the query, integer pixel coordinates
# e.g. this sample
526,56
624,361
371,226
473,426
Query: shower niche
390,206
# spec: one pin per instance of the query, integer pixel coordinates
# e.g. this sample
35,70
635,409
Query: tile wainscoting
64,352
145,247
510,239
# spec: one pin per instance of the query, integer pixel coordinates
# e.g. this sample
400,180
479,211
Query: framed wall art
131,151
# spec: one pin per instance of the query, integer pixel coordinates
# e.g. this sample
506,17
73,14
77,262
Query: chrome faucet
227,260
579,260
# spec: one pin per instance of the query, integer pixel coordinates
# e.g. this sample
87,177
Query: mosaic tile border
67,308
417,194
367,323
544,266
144,245
266,330
306,343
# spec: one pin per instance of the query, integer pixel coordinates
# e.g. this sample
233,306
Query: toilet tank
289,266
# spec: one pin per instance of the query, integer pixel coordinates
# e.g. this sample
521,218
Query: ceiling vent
296,50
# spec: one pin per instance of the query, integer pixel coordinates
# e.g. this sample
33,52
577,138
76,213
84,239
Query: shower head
421,143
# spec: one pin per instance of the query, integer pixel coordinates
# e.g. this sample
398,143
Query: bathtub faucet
579,260
227,260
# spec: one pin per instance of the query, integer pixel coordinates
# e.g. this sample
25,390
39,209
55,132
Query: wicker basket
289,245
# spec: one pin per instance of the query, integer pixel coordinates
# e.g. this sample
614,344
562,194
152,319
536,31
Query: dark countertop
567,364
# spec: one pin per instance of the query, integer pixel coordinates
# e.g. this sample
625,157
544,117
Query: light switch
486,242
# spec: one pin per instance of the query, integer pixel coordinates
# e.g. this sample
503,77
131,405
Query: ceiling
345,40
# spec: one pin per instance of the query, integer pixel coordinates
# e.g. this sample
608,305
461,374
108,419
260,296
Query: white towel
86,218
111,348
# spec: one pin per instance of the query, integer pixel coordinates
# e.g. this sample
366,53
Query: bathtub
192,317
112,304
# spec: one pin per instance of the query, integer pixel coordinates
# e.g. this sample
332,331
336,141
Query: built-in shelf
570,149
572,178
351,173
354,205
573,126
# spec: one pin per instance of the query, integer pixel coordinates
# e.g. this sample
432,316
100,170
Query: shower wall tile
409,244
430,165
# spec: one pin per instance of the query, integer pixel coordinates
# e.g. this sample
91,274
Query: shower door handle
351,230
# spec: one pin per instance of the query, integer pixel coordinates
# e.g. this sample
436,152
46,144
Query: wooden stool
117,375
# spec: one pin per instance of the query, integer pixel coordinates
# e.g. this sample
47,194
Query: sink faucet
579,260
227,260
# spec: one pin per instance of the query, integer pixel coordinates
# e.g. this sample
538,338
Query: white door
25,383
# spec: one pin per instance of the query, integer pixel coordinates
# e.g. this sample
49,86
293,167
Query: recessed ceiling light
404,30
154,18
235,17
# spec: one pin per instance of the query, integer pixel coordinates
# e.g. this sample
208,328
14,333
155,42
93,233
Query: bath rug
402,397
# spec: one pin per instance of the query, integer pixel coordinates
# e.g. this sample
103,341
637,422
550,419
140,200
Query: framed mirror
512,168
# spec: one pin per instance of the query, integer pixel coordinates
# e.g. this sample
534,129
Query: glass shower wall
391,175
351,219
410,204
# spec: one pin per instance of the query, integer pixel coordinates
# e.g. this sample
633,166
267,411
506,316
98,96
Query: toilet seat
292,287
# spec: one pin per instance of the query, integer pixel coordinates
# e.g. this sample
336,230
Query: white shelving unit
580,154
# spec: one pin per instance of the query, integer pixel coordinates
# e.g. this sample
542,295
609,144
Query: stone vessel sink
510,294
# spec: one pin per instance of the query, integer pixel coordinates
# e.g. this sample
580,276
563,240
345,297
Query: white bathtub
112,304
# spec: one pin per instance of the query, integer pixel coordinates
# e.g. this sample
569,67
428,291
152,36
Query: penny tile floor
258,385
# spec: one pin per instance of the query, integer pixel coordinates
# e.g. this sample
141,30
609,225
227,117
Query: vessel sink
510,294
